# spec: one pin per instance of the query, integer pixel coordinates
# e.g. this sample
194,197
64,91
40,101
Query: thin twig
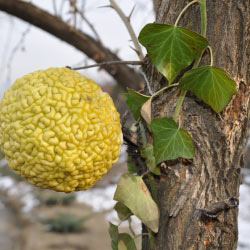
107,63
91,26
54,7
72,4
15,50
60,12
126,21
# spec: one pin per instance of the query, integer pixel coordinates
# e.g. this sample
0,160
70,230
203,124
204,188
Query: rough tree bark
54,25
214,174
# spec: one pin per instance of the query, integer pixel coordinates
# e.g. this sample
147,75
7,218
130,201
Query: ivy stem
150,176
152,185
179,105
130,227
151,239
203,10
183,11
211,56
161,90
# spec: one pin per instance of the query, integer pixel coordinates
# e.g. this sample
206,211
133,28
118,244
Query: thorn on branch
131,13
136,51
105,6
126,21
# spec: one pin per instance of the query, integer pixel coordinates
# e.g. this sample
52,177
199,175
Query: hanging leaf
123,212
134,194
126,242
148,153
135,101
212,85
170,142
171,48
146,111
113,232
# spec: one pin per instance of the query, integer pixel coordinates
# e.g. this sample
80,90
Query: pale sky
41,50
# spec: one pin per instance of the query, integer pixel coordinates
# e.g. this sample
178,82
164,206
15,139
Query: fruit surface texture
59,130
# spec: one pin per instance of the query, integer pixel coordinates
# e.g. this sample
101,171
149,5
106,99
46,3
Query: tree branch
107,63
28,12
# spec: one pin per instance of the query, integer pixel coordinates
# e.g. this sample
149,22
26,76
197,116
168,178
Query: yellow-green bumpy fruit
59,130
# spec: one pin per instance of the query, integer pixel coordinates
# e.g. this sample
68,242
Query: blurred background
31,218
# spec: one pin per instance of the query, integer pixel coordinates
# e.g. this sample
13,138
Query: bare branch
107,63
126,21
28,12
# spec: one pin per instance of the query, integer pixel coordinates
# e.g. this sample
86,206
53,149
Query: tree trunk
213,176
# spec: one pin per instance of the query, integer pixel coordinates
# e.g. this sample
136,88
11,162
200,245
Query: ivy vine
171,49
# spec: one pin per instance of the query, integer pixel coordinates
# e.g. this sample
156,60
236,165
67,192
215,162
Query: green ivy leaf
133,193
113,232
123,212
114,245
135,101
170,142
212,85
126,242
171,48
148,153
